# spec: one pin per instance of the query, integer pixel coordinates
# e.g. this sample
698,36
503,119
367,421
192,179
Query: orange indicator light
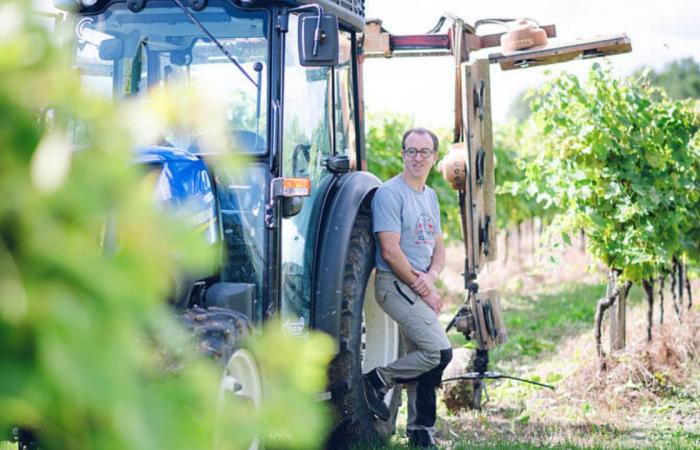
296,187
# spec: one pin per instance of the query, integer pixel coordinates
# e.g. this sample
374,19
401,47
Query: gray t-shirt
399,208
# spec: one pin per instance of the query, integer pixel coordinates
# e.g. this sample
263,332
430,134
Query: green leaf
566,238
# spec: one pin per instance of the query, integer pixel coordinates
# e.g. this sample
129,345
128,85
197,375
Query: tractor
294,222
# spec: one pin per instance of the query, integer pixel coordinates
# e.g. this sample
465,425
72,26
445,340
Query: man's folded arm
395,257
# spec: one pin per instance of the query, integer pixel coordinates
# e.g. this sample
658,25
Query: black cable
438,25
494,376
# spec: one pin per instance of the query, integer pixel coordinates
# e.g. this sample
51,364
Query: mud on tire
218,331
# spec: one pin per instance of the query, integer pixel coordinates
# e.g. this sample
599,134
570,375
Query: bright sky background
660,31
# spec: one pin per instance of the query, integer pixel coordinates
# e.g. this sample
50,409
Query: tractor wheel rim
241,384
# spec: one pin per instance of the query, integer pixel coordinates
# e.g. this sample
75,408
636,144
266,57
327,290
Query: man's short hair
419,130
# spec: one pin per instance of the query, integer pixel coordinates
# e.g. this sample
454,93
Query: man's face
418,166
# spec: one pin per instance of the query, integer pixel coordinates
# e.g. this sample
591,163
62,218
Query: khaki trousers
427,348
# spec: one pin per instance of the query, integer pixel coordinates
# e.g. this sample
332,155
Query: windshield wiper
214,40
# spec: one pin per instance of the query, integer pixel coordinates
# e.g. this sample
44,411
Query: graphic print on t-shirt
424,230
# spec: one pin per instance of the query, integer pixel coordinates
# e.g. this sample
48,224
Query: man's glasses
412,152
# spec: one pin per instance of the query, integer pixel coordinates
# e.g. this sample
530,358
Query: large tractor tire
220,334
367,338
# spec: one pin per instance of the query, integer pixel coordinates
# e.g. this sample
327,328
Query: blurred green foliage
680,79
619,161
92,357
294,373
515,145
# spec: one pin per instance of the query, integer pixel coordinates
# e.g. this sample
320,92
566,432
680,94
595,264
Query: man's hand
424,283
433,300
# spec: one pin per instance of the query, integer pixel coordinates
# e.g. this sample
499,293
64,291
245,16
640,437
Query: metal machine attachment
480,320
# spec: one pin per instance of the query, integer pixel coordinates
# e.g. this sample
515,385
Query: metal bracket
479,98
270,216
480,156
484,235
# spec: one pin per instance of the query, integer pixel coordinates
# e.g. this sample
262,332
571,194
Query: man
410,256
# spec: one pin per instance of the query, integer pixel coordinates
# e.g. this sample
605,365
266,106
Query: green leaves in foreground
293,370
92,356
619,161
292,415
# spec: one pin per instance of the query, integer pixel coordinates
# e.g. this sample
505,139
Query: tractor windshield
125,54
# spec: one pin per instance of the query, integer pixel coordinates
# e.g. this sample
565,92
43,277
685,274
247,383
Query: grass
676,440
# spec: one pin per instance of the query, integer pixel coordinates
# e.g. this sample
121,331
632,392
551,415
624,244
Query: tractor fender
351,194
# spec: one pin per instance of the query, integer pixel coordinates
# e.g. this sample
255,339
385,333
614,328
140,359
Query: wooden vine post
618,322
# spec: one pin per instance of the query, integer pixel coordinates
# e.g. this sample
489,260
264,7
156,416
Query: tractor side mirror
291,206
318,42
111,49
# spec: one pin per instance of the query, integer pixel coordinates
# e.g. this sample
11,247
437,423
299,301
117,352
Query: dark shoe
373,394
421,439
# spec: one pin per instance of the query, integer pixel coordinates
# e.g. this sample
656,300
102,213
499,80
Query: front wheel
241,386
221,334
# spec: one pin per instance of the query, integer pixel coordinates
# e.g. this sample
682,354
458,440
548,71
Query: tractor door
319,122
